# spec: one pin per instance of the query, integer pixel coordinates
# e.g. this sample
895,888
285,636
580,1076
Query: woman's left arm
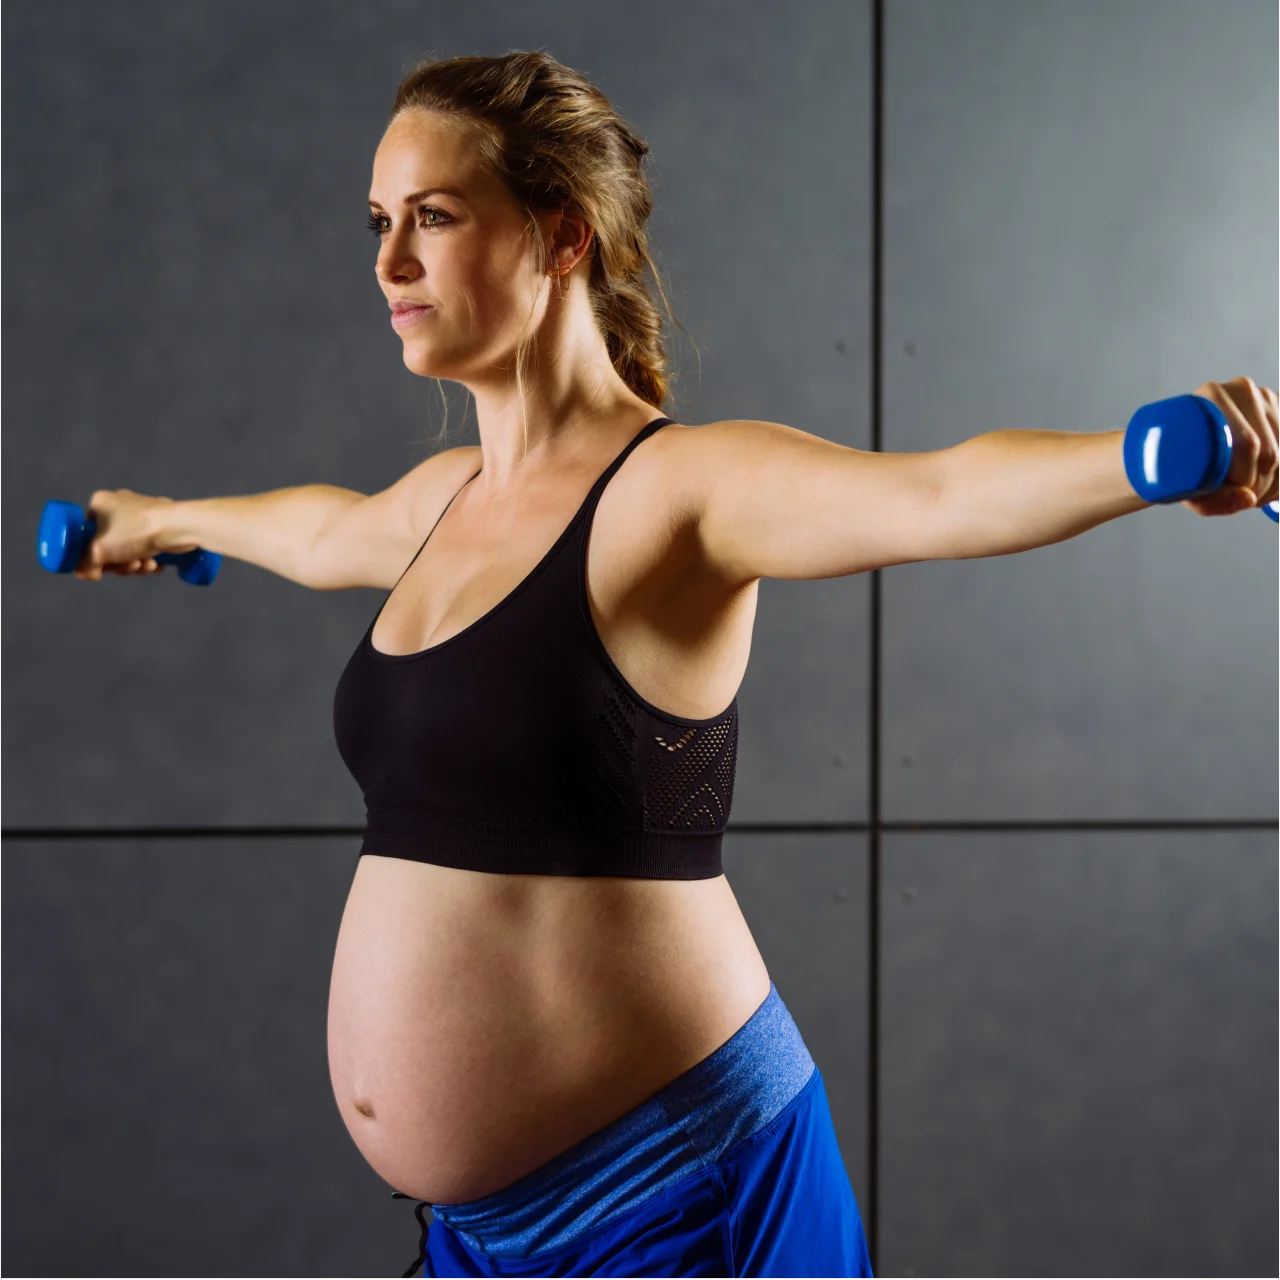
779,503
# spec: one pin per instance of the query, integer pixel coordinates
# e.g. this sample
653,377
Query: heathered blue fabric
686,1126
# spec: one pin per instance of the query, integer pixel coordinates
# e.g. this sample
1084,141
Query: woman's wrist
169,525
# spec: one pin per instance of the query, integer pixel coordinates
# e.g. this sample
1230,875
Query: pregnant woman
548,1018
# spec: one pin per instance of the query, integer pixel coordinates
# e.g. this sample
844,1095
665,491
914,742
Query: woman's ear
570,236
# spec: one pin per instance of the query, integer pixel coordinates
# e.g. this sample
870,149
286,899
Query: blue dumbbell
1180,448
65,532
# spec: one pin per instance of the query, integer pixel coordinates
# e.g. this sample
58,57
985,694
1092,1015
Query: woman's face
453,244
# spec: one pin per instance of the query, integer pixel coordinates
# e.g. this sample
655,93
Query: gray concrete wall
1077,1028
225,334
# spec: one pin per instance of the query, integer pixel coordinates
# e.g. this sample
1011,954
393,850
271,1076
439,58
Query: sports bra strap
432,530
593,494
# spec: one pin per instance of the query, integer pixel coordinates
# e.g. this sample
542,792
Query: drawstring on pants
417,1268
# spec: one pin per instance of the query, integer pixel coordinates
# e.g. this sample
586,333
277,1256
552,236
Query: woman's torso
480,1024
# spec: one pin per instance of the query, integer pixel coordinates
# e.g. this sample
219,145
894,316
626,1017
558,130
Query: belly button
363,1107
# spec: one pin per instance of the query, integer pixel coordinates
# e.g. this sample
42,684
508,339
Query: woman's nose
394,264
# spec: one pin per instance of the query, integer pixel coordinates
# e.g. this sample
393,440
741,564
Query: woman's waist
565,927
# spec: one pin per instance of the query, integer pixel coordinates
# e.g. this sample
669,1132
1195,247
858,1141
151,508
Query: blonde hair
556,141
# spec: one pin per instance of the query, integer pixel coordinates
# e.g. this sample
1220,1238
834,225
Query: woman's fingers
1252,414
126,569
1226,501
1271,408
123,569
1244,439
1257,405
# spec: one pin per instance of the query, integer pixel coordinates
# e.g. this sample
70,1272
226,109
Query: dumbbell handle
1180,448
65,531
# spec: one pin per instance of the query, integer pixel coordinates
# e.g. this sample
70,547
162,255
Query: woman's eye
424,209
375,223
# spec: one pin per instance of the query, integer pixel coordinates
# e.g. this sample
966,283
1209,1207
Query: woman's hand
1251,412
124,542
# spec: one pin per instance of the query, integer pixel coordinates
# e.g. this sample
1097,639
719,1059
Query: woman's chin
429,362
425,365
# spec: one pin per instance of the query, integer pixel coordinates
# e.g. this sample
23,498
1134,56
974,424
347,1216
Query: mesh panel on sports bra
691,779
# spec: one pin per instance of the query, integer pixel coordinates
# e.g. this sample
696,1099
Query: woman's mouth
402,319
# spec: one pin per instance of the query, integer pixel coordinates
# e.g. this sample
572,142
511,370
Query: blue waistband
688,1124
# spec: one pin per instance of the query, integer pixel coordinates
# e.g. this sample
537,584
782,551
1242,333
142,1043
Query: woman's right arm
318,535
277,530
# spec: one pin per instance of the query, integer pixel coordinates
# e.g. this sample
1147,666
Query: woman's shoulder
437,478
448,462
672,473
725,436
703,452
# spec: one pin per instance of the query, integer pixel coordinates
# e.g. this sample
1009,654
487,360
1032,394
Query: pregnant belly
481,1024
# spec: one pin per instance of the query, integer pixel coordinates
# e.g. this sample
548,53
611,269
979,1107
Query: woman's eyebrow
414,196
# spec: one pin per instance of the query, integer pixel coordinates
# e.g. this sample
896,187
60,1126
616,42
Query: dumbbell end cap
60,536
1177,448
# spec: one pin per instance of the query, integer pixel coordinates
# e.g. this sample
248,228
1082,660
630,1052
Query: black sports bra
517,745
